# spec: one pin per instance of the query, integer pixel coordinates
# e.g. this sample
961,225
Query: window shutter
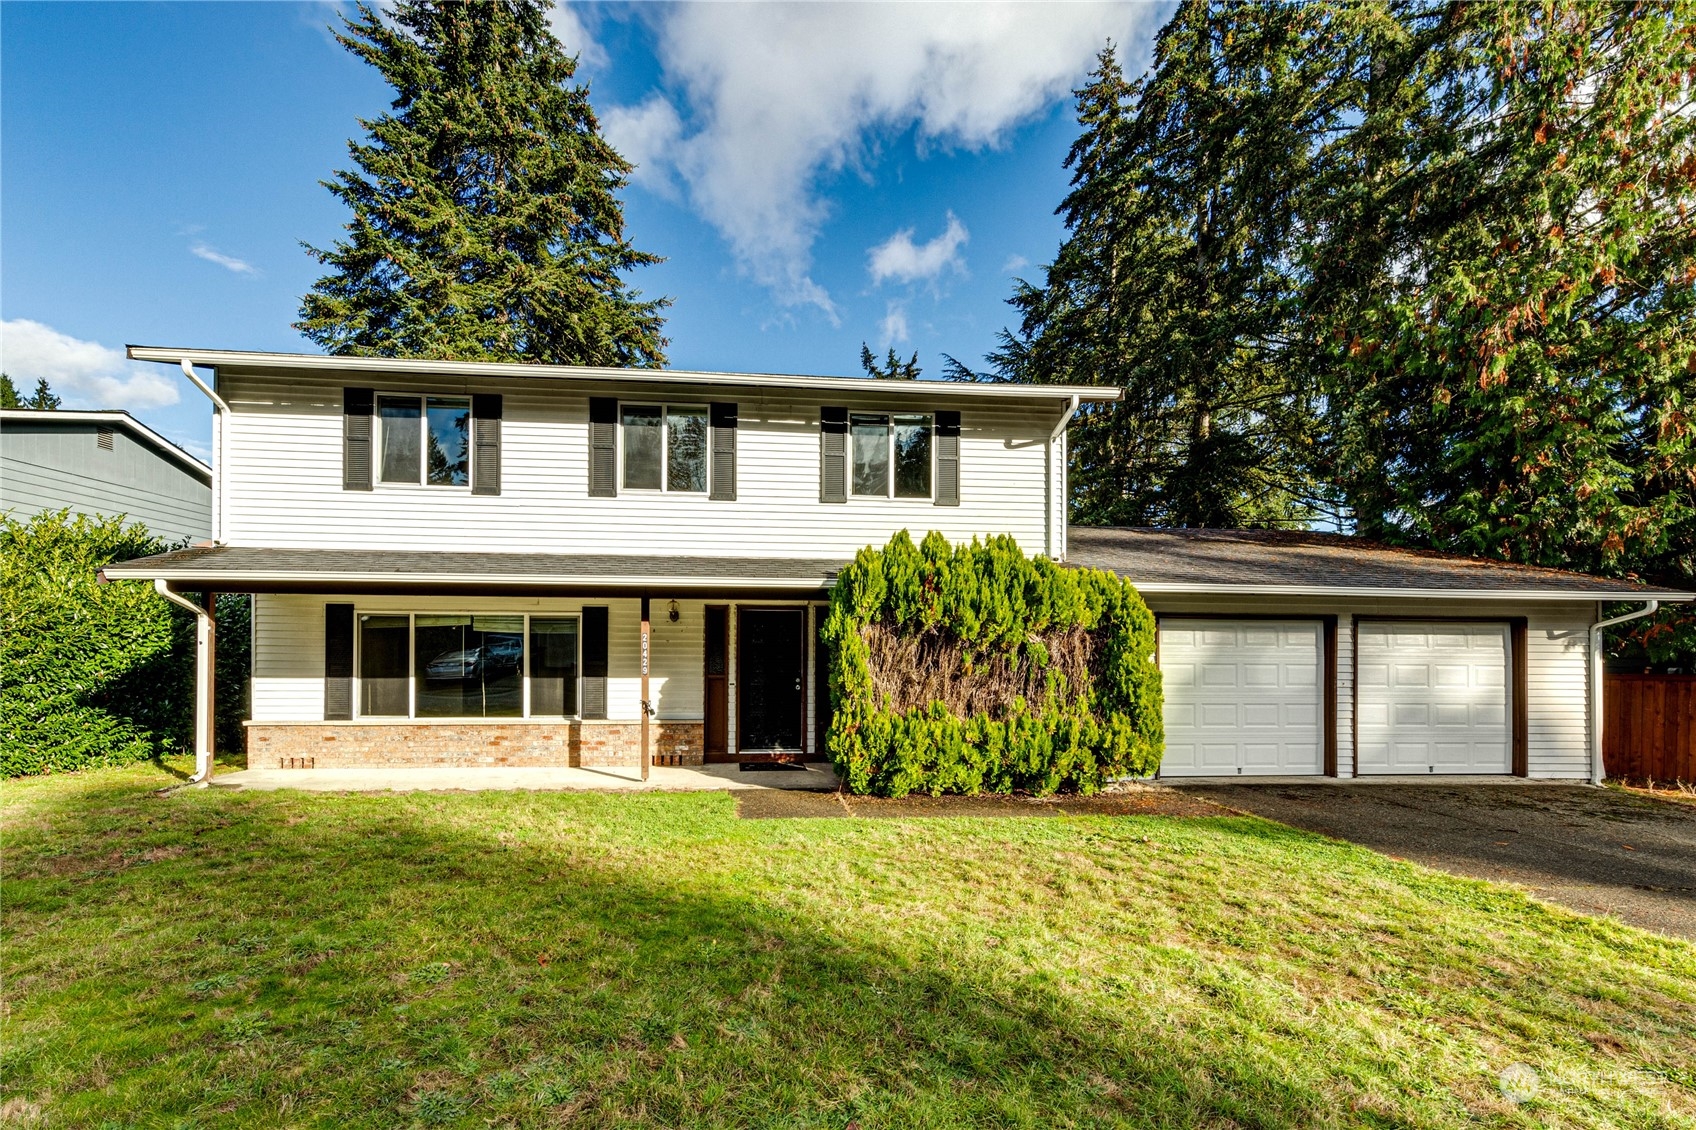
338,662
357,405
948,458
603,447
833,455
723,420
595,662
486,443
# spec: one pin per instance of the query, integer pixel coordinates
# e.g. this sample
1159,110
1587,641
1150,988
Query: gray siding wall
50,465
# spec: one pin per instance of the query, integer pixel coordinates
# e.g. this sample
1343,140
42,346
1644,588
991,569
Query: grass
216,958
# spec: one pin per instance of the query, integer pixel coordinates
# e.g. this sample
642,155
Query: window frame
665,408
889,454
411,714
379,437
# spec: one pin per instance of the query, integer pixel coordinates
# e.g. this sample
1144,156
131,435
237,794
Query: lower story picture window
383,646
470,666
553,666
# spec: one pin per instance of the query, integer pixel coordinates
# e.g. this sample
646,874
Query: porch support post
647,706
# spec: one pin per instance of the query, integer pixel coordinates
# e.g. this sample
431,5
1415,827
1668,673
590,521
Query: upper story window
425,440
665,447
892,454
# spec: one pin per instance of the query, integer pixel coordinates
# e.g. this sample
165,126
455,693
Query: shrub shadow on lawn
527,961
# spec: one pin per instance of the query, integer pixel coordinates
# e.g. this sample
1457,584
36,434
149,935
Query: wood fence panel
1649,726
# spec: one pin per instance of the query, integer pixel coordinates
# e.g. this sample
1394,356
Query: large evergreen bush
94,674
973,668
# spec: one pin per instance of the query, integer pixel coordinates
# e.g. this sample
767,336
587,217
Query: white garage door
1242,697
1433,698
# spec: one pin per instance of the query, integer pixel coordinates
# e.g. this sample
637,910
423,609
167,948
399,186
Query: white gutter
1597,769
219,408
203,640
1055,535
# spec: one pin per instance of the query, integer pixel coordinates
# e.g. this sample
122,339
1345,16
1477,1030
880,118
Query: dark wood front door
771,672
716,731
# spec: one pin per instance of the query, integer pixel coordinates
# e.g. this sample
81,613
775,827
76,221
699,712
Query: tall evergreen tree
486,221
43,400
1502,290
1174,281
9,393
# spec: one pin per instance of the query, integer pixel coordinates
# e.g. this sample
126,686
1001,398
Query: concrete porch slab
816,776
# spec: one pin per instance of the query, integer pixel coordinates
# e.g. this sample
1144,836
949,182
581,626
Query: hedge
94,674
973,668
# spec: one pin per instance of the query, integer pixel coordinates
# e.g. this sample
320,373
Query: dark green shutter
338,662
486,443
595,662
357,406
723,420
948,458
833,455
603,447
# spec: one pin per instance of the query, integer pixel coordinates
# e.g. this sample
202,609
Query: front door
771,671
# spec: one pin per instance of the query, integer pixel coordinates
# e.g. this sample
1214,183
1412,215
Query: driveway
1599,851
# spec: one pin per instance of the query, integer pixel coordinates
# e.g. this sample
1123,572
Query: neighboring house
105,463
492,564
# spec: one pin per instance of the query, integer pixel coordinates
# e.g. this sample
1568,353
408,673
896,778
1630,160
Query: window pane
382,666
553,665
400,438
450,446
686,453
871,454
641,447
912,457
468,666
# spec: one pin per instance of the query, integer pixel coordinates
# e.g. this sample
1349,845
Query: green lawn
215,958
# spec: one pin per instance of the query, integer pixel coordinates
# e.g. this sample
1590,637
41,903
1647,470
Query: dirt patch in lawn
1138,800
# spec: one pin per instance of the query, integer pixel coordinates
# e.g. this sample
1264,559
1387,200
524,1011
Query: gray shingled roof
1288,561
215,565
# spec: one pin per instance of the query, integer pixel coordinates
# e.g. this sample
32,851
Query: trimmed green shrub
973,668
94,674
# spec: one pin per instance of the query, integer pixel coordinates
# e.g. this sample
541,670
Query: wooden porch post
647,707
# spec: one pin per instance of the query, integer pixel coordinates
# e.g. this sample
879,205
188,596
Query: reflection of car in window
500,654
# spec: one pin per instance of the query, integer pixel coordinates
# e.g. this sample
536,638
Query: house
466,563
104,463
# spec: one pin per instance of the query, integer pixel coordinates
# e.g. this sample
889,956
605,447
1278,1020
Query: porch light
671,612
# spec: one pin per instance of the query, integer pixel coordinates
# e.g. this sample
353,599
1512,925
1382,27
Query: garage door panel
1441,705
1252,704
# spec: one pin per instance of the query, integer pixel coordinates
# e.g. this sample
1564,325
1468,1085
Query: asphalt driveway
1600,851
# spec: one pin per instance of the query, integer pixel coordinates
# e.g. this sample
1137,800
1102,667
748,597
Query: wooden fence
1649,726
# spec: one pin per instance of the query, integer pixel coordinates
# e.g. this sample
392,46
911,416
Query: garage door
1433,698
1242,697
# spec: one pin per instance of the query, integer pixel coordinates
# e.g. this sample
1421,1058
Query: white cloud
228,262
645,135
1014,264
894,326
777,95
566,22
899,258
86,373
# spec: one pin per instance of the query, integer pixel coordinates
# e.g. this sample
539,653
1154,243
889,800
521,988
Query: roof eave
214,358
1374,592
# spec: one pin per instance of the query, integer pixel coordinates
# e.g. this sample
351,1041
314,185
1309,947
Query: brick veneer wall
358,745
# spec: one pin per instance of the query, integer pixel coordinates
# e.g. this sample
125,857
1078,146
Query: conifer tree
1174,281
9,393
892,368
486,222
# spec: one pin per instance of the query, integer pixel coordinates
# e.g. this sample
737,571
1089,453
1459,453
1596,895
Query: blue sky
817,175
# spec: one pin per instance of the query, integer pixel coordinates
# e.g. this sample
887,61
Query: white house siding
1557,662
288,650
284,478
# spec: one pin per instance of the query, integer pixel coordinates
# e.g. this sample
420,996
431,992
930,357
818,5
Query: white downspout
203,638
1055,534
219,408
1597,771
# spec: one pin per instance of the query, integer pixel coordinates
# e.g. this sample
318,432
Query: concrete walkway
814,775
